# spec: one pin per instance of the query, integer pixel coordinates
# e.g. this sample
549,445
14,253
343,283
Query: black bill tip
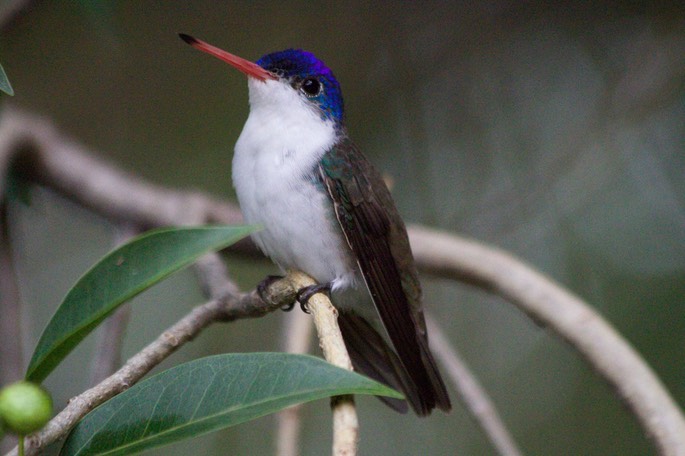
187,38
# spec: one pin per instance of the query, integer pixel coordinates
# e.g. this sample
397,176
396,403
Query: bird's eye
311,87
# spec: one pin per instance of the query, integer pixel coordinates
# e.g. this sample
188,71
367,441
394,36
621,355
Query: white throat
282,121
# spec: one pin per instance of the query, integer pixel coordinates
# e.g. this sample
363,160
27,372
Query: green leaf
119,276
5,85
209,394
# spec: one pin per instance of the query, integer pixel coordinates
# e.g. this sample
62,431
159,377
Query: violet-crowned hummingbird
327,212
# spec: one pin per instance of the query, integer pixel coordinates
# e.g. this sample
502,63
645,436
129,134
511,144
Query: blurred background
556,132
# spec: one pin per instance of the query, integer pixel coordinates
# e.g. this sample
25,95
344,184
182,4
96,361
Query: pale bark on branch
40,153
297,333
345,422
563,313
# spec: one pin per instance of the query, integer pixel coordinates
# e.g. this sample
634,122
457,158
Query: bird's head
288,77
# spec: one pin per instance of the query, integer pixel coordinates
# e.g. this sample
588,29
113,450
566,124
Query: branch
297,334
472,394
247,305
107,355
345,423
42,154
47,157
551,305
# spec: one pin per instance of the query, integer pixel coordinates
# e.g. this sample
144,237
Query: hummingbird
326,211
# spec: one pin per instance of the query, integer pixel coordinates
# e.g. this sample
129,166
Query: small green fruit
24,407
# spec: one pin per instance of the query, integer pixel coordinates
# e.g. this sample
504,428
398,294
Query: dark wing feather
370,354
378,238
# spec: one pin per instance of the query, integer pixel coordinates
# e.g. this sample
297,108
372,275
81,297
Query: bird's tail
372,356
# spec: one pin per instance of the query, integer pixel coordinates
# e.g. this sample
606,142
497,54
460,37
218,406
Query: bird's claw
305,294
263,290
288,307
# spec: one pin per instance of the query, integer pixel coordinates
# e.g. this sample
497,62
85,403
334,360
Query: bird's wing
376,234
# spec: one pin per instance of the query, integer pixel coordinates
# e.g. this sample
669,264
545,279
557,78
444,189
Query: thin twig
248,305
549,304
213,276
107,355
471,393
345,422
297,334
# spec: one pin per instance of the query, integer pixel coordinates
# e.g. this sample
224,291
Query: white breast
274,173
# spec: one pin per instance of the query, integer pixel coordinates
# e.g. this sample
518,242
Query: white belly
275,177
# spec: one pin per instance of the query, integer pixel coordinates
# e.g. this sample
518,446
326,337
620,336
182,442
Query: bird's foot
263,290
304,294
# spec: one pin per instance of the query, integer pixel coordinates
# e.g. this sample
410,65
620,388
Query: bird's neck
275,134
